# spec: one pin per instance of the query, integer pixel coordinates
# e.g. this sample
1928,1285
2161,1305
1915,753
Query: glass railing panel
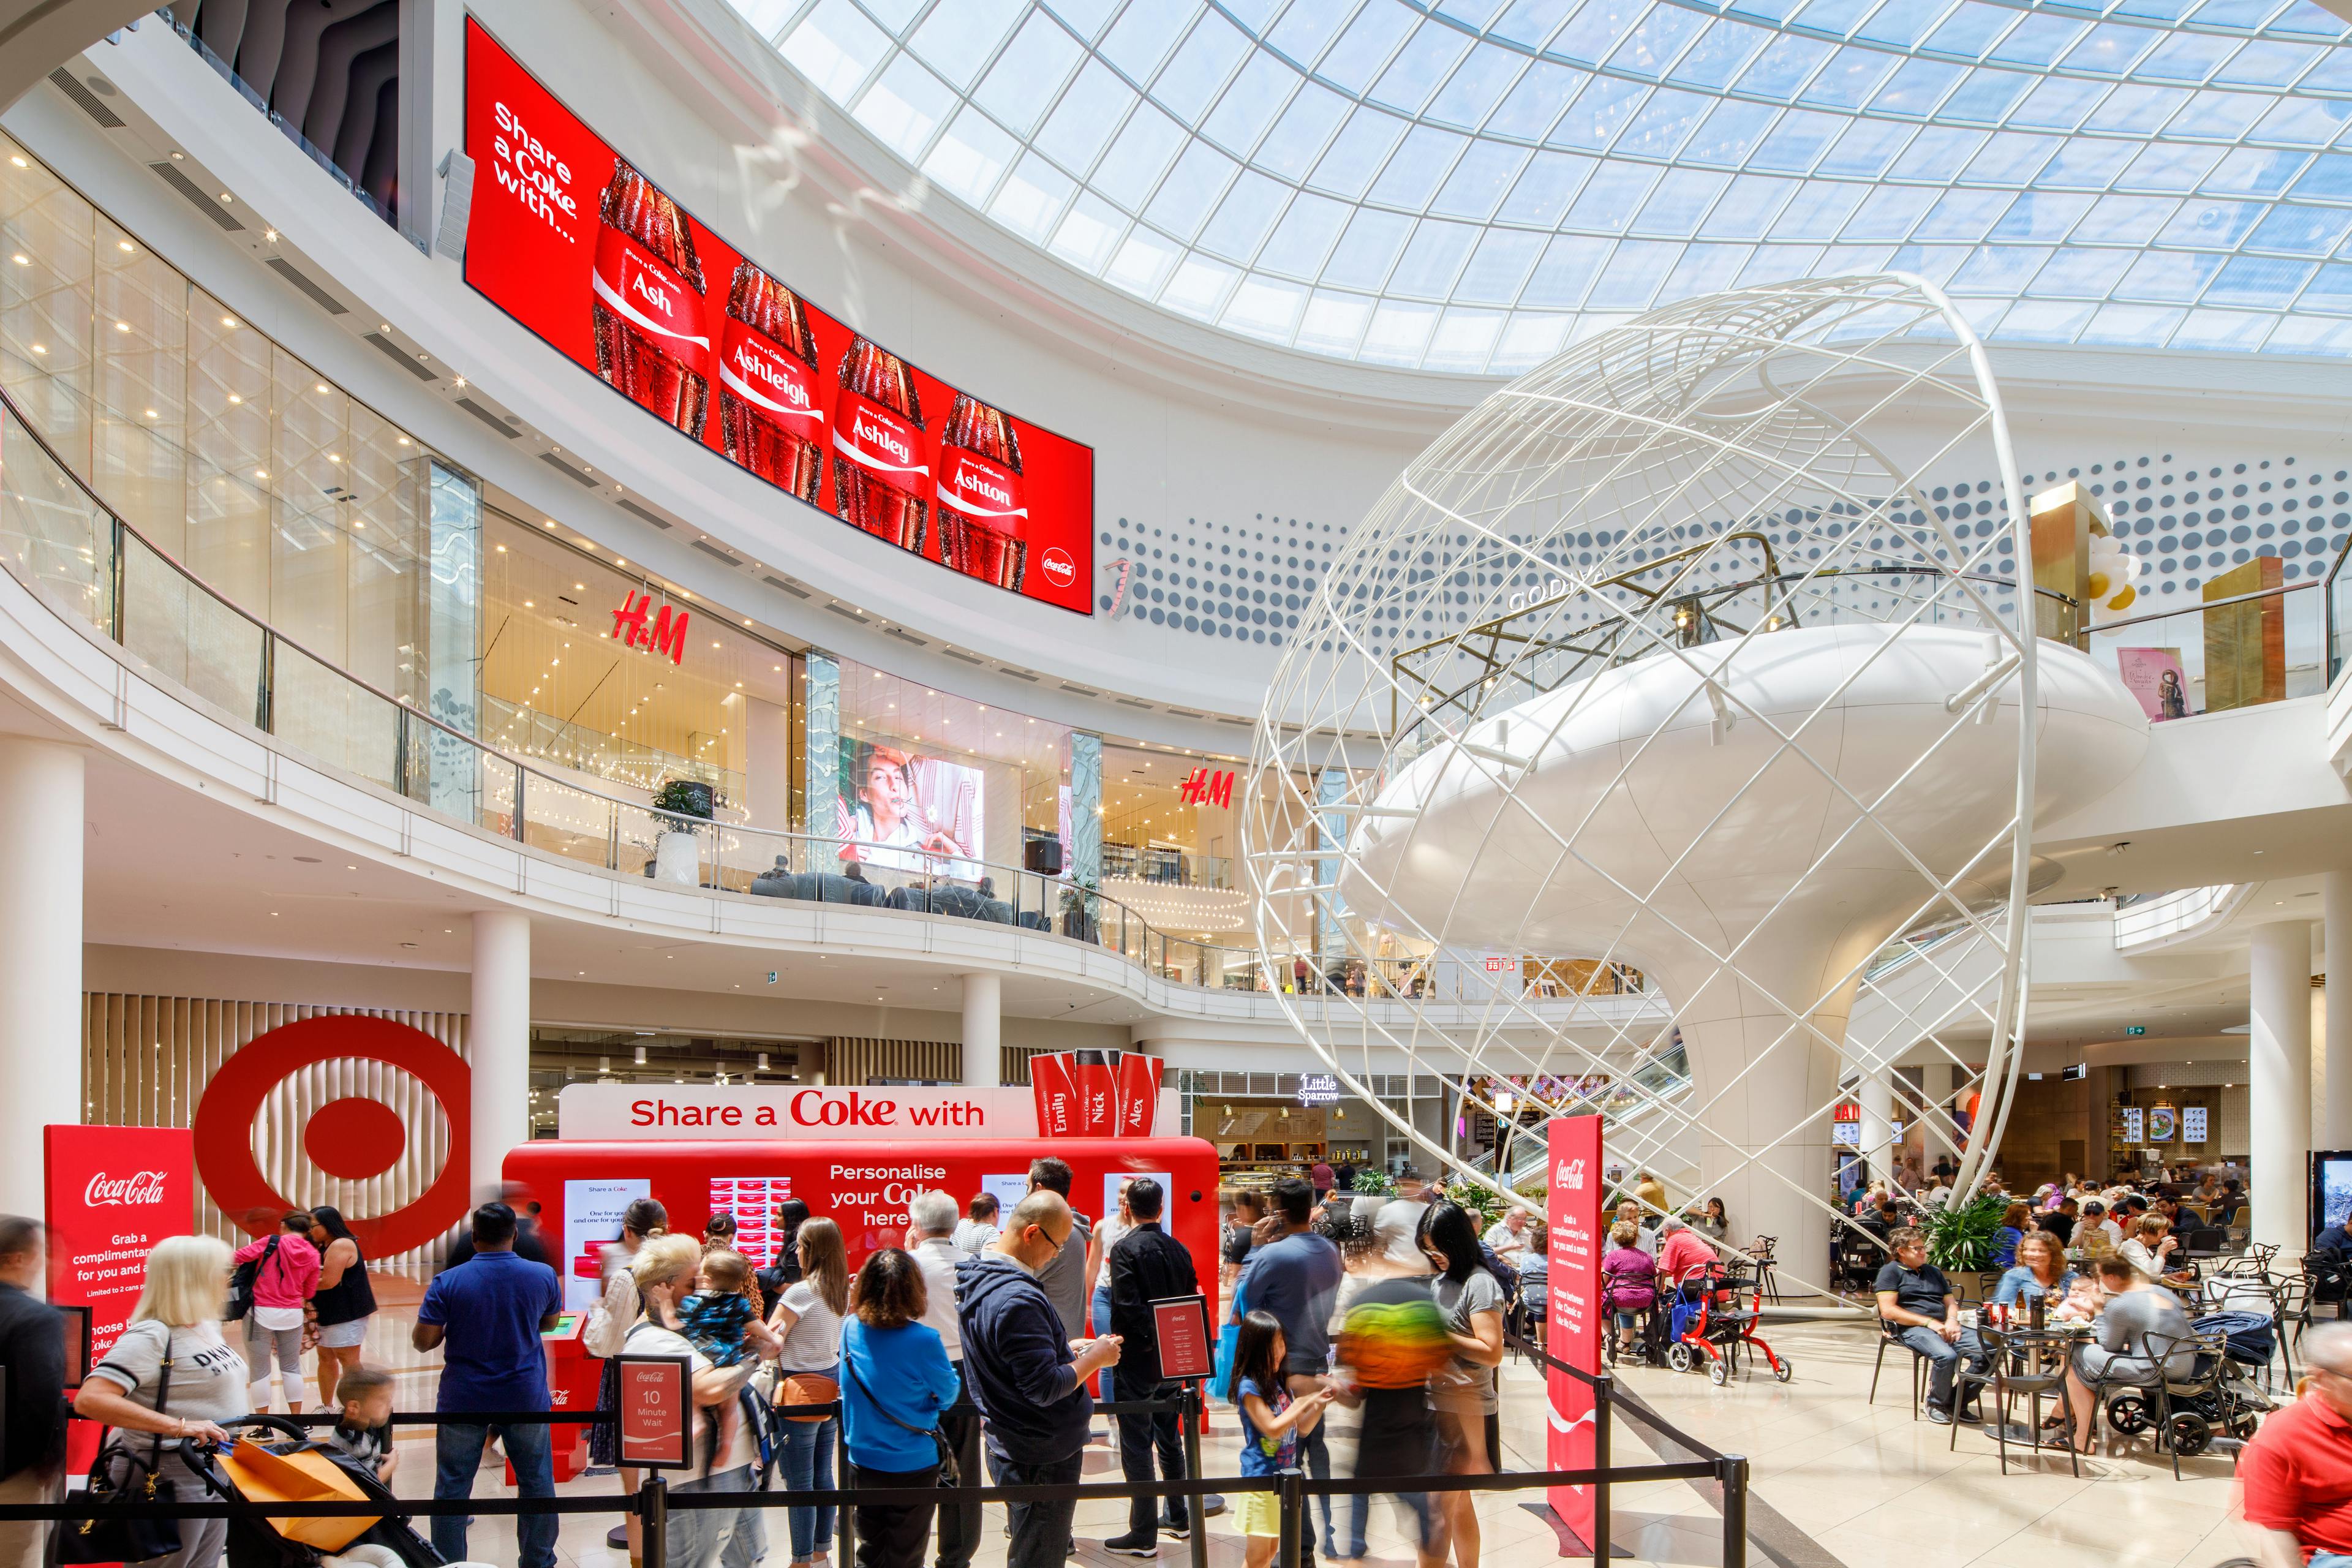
323,713
2198,659
566,820
53,537
178,629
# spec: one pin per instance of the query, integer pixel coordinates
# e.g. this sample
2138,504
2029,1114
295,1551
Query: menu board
2130,1125
752,1201
2192,1124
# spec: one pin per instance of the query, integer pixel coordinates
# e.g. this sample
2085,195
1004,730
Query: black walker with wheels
1715,1308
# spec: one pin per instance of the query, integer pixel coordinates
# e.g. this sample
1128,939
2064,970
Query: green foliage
683,797
1372,1179
1478,1200
1960,1237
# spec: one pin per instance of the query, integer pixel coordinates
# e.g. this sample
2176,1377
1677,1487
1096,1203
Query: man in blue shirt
1297,1278
485,1316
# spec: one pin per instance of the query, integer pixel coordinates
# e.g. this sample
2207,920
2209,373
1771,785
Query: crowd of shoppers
937,1359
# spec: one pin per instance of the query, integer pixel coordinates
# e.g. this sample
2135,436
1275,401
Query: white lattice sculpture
1669,668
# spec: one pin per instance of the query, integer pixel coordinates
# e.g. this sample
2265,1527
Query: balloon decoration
2114,569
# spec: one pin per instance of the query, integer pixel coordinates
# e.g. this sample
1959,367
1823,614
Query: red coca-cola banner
1095,1094
574,242
114,1194
1572,1242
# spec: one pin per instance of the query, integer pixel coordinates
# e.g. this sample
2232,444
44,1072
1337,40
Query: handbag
950,1468
807,1388
241,1283
119,1476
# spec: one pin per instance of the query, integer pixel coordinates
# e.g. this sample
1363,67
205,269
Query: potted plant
1960,1236
677,851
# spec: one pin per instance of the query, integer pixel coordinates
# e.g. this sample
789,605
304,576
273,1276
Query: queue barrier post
1731,1470
1604,1393
841,1526
653,1520
1290,1501
1192,1417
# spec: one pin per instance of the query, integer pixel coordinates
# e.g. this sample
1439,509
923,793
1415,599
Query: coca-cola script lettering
136,1189
982,489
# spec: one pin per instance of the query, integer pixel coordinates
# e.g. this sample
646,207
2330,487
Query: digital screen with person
903,812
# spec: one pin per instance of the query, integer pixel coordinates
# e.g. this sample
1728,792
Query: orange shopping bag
261,1476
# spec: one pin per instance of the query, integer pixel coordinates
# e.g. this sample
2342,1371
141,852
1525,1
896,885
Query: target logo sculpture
1711,692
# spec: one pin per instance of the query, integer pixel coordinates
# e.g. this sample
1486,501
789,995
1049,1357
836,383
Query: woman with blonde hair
663,1271
172,1379
808,1320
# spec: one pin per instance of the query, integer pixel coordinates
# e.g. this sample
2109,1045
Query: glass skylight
1467,186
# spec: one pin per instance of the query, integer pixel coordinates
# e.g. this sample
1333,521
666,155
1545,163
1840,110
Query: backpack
240,1284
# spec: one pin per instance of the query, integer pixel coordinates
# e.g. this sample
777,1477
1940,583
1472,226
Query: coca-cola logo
1059,569
870,429
138,1189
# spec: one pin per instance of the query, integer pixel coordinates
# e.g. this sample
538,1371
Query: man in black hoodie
1027,1376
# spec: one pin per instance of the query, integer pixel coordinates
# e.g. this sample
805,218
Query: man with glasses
1026,1374
2296,1473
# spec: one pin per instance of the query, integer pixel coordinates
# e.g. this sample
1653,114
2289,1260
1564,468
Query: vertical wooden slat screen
852,1061
1013,1062
146,1060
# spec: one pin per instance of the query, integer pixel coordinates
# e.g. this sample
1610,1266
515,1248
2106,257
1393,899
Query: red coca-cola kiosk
854,1155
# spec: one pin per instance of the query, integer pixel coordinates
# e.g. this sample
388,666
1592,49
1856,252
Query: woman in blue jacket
895,1383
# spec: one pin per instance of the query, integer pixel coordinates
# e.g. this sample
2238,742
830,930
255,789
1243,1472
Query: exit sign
2135,1028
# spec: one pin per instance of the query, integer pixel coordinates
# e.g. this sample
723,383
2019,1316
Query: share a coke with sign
588,251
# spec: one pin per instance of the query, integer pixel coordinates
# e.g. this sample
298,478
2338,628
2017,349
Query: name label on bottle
875,438
652,296
983,489
757,372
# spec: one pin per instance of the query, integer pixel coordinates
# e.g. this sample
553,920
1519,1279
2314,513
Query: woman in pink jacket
285,1277
1629,1286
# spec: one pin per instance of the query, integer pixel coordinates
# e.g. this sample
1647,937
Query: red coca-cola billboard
577,244
114,1194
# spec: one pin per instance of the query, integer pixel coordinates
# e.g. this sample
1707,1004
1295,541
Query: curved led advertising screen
574,242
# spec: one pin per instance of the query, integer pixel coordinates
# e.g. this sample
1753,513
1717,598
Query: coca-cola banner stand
114,1194
1572,1256
574,241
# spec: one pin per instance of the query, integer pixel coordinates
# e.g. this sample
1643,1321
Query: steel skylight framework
1468,186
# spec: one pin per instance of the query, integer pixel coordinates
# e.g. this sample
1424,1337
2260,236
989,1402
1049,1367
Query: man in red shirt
2296,1473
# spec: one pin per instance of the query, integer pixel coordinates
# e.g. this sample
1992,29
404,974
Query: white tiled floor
1856,1483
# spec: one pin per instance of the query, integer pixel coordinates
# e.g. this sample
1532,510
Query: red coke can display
880,479
770,415
983,515
651,343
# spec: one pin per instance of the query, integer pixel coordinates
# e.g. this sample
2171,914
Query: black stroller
256,1542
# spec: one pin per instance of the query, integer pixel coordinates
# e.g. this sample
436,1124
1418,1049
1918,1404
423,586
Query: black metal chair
1890,1338
2193,1366
2290,1315
2008,1351
1760,1251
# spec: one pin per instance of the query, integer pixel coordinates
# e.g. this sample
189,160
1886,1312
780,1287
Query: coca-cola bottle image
651,343
880,480
983,517
769,415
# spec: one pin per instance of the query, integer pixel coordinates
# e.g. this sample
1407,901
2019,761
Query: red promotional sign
1572,1229
114,1194
1181,1323
1095,1076
573,241
655,1411
1057,1095
1138,1079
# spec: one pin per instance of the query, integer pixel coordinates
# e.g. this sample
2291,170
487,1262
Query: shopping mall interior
1765,575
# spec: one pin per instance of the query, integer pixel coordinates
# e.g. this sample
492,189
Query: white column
1876,1095
983,1006
40,960
498,1038
2336,1115
2278,1052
